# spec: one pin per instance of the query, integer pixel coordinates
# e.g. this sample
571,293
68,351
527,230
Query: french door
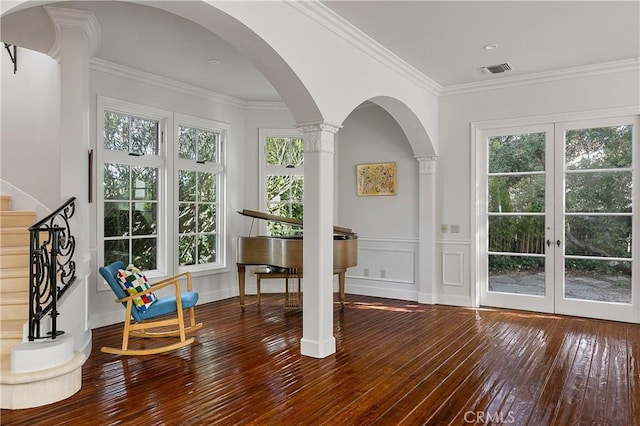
556,226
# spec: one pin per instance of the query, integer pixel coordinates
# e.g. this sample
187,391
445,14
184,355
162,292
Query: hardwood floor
396,363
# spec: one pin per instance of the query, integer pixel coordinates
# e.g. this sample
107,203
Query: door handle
558,243
548,243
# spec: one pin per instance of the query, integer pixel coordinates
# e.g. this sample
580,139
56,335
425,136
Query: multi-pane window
161,189
198,174
130,190
284,181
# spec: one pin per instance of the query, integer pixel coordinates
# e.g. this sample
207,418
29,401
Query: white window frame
167,262
160,161
265,169
218,168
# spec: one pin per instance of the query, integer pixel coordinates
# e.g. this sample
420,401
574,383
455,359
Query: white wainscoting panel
386,268
452,272
454,275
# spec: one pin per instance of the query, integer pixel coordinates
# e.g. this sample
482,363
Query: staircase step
14,257
7,343
5,202
14,298
12,237
14,279
15,312
17,219
11,329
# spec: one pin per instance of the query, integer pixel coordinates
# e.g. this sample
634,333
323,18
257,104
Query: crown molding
345,30
544,77
100,65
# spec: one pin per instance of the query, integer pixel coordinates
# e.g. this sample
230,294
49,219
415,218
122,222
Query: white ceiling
442,39
445,39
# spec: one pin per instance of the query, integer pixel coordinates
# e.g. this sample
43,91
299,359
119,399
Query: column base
318,349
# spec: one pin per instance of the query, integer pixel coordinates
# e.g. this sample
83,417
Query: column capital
427,164
318,137
74,18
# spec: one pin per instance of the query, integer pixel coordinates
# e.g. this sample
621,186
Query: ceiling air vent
496,69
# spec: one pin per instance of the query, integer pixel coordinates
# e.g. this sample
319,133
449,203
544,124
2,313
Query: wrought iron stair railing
52,269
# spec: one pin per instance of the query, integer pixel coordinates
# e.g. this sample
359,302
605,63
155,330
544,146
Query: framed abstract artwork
376,179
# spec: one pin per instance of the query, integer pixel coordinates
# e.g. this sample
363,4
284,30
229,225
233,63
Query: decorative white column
78,36
317,317
427,230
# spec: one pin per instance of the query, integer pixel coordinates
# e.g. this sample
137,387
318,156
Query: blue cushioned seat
167,305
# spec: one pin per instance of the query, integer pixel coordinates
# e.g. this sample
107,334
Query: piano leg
241,270
258,279
341,274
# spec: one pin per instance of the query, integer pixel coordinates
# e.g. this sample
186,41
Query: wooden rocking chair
137,322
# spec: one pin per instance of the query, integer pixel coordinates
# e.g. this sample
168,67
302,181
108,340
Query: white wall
371,135
595,91
387,226
30,131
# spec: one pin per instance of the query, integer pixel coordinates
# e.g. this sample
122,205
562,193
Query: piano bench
291,301
265,274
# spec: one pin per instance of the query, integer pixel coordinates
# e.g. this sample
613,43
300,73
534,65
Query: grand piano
284,254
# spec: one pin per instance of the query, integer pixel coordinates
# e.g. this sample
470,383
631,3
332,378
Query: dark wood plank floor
396,363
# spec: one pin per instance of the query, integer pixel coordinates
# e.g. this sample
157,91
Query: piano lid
290,220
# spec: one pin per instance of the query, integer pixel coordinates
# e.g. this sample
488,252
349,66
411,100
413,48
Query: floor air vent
496,69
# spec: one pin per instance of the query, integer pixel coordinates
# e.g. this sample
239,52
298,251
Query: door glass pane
516,219
598,236
516,234
517,274
523,193
598,214
517,153
598,192
599,280
598,148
